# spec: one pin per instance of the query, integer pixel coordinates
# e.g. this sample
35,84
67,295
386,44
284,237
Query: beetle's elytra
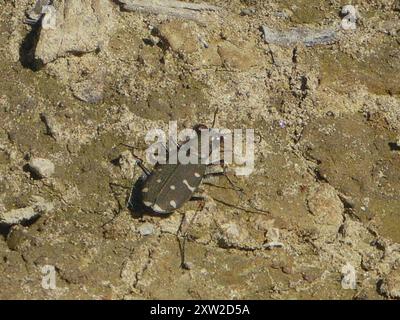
169,186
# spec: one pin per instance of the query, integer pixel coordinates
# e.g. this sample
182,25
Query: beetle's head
213,134
199,127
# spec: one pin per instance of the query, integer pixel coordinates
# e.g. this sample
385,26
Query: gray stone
21,215
42,168
170,8
82,26
146,229
309,37
88,91
248,12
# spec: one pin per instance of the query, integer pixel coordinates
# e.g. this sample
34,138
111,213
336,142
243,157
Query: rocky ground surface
327,174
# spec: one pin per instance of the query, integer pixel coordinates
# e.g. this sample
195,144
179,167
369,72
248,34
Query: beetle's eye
199,127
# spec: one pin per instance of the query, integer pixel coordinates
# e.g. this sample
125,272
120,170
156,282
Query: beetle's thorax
204,143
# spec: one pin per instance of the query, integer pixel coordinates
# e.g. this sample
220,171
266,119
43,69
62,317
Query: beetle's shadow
135,203
27,49
394,146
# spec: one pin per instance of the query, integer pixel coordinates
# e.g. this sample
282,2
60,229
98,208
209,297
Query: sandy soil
327,167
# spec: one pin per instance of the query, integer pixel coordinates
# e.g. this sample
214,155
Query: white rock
146,229
40,205
49,20
74,27
349,21
273,235
43,168
16,216
231,235
310,37
349,277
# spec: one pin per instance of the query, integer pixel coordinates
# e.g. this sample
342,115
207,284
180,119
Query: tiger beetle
169,186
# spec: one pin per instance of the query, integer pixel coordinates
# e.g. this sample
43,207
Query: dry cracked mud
327,158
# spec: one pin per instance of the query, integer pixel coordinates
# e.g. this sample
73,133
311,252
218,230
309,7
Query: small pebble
350,16
281,14
90,91
187,265
146,229
248,12
42,168
15,216
287,270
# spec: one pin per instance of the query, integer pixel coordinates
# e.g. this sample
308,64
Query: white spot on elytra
172,187
172,203
145,190
188,185
157,208
147,204
158,180
197,175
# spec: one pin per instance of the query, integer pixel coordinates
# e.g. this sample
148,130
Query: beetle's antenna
233,186
127,145
242,192
139,161
239,189
256,210
146,171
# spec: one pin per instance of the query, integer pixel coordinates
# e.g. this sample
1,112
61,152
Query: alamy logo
202,145
49,277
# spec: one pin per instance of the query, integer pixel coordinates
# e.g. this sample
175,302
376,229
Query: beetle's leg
223,173
215,174
182,244
146,171
31,21
220,162
197,198
130,204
